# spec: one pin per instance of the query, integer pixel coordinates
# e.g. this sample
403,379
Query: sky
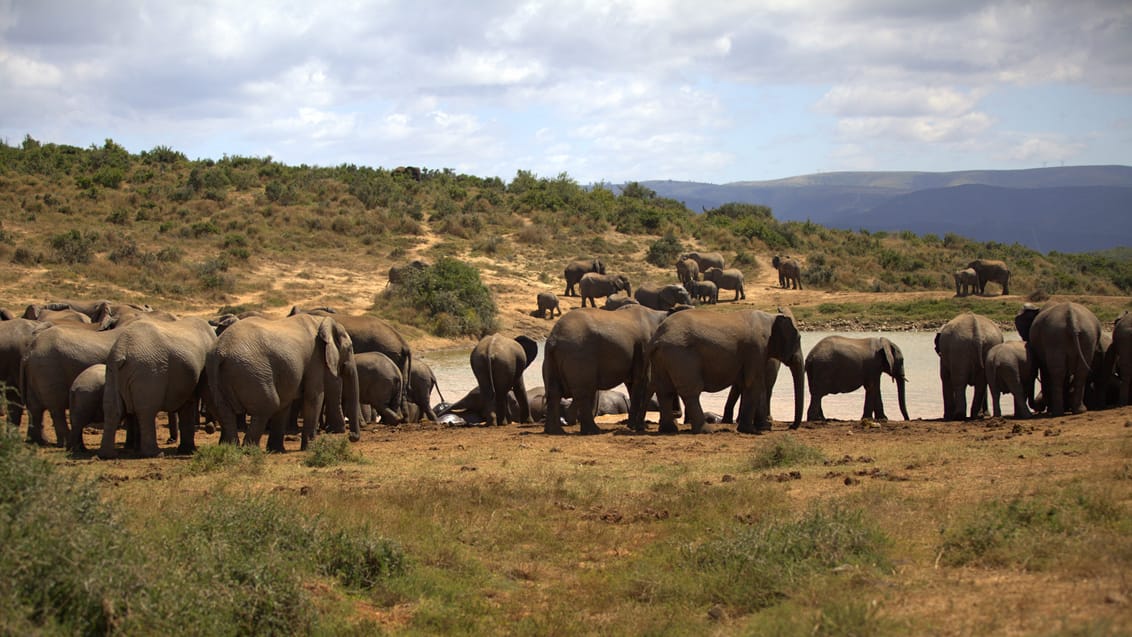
601,90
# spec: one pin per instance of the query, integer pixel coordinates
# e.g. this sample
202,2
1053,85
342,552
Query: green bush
73,246
447,298
664,251
327,451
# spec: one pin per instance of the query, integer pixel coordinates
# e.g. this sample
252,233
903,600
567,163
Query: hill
938,203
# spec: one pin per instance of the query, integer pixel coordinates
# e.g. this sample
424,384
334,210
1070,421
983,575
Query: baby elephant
548,305
703,291
1008,368
839,365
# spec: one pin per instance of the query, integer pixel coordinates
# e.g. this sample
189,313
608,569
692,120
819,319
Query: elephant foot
1080,409
108,454
591,430
553,430
186,449
668,428
171,440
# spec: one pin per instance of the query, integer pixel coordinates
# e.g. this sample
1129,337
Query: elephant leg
586,403
147,435
815,412
995,398
948,395
874,405
524,415
173,428
312,411
553,423
1020,408
59,421
1054,389
187,417
694,413
256,426
665,398
729,405
1079,382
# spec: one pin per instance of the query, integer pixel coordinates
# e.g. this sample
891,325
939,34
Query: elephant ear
886,347
329,344
530,348
1024,319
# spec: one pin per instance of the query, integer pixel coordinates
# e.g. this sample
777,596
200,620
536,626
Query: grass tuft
327,451
786,451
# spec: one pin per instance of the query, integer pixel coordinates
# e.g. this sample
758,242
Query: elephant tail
1077,332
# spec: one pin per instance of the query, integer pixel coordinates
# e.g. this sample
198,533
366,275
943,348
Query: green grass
786,451
327,451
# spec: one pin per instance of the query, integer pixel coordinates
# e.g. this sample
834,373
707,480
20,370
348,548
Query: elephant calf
547,305
729,279
1008,369
703,291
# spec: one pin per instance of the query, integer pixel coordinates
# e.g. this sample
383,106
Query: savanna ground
990,527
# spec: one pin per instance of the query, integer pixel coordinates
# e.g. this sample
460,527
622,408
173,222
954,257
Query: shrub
664,251
326,451
785,452
447,298
242,459
73,246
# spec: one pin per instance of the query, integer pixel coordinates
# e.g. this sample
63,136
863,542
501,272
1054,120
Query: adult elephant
966,281
575,270
789,272
704,260
1120,354
729,279
1064,343
697,351
15,336
840,364
687,271
962,345
259,367
54,314
1008,372
370,334
594,285
155,366
991,270
498,364
662,297
589,350
379,385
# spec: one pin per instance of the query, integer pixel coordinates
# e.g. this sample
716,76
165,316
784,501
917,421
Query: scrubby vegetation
167,227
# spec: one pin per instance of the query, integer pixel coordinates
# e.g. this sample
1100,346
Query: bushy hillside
160,228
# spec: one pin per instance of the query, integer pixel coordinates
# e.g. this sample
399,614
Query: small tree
664,251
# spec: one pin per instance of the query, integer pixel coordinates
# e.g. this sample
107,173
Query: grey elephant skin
704,260
379,385
966,282
498,364
989,270
589,350
840,364
789,272
962,345
1008,372
85,403
594,285
703,291
662,297
547,305
470,409
371,334
577,269
687,271
696,351
1120,356
1064,341
15,336
259,367
729,279
155,366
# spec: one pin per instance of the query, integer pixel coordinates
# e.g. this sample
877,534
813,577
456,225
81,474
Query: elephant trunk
350,403
901,381
798,371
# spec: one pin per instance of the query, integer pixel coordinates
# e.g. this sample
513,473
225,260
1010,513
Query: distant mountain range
1064,209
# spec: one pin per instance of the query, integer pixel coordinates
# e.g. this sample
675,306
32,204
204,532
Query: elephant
259,367
379,385
704,260
85,400
547,305
616,301
1008,369
1064,343
966,281
398,273
469,409
840,364
594,285
696,351
662,297
370,334
155,366
991,270
729,279
687,270
703,291
15,336
589,350
577,269
498,364
55,314
7,315
54,358
1119,355
789,272
962,345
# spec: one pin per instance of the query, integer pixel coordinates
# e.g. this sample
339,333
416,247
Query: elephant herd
123,364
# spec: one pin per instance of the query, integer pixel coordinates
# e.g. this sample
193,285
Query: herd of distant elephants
121,364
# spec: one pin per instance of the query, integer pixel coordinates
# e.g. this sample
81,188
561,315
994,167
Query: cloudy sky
604,90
